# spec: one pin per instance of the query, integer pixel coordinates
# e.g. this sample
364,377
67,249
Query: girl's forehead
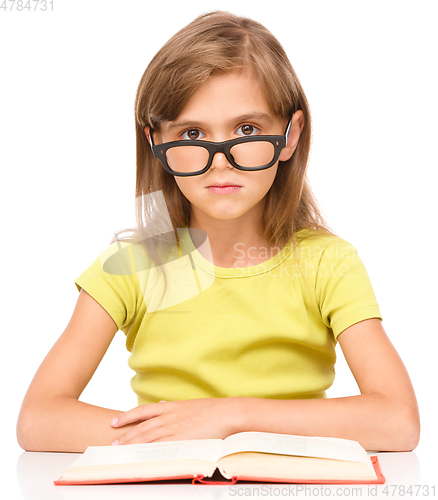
228,95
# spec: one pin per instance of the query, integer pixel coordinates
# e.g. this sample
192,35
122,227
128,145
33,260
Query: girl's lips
228,189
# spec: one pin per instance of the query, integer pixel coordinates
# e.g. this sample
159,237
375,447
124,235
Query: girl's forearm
67,425
373,420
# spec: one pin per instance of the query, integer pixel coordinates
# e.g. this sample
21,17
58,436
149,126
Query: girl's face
228,106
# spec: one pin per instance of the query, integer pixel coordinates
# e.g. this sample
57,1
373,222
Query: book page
272,466
283,444
202,449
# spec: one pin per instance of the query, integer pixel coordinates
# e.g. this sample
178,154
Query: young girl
232,291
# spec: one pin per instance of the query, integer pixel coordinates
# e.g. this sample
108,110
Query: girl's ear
147,131
294,134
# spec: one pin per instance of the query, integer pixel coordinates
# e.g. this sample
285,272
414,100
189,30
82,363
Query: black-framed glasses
185,158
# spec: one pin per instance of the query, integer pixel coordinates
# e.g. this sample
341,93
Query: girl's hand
207,418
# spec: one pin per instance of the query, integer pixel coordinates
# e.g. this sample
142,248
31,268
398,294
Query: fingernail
115,443
162,401
114,421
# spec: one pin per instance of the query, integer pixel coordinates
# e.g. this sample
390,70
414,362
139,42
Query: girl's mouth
225,189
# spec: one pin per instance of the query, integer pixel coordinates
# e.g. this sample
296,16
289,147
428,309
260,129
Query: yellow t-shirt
264,331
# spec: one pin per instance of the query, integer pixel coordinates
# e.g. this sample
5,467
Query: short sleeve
112,282
343,288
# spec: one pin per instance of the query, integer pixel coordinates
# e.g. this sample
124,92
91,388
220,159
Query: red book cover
206,480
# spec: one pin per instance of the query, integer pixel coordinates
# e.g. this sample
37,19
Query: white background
67,154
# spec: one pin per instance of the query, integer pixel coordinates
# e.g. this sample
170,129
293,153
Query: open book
248,456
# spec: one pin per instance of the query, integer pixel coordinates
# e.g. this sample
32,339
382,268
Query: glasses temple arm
286,134
149,136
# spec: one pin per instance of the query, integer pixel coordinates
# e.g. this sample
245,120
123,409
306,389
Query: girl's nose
220,161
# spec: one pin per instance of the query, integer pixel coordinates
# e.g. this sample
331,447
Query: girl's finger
146,432
137,414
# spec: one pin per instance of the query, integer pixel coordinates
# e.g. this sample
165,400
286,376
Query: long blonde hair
222,42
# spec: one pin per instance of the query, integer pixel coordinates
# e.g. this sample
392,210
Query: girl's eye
247,130
193,134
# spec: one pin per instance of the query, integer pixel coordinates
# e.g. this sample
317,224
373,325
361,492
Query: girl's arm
384,417
51,417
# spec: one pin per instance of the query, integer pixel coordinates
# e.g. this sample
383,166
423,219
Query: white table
37,471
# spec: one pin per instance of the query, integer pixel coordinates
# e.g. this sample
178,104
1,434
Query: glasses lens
187,159
253,154
190,159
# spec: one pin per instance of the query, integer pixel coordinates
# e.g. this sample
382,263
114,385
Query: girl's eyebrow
248,116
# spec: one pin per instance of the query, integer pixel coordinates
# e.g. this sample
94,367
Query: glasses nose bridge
221,147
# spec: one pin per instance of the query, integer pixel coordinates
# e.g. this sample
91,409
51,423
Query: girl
232,291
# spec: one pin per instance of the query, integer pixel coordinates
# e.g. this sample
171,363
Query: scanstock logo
170,266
